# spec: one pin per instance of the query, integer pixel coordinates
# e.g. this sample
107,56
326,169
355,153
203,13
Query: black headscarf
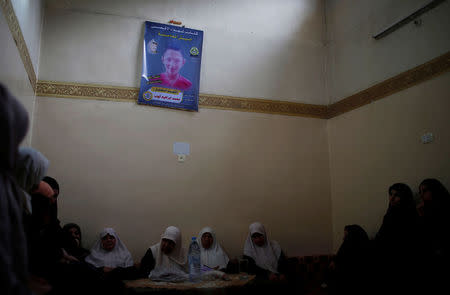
355,248
440,196
52,182
352,263
13,256
53,206
46,237
69,226
73,247
436,219
400,221
397,243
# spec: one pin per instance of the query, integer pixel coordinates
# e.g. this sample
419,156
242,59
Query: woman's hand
67,258
46,190
39,285
273,277
420,210
332,266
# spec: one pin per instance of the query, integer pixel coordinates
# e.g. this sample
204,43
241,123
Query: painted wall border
402,81
130,94
17,35
414,76
381,90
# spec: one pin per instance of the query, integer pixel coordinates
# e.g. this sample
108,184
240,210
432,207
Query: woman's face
167,246
425,193
258,239
345,234
394,199
108,242
75,233
207,240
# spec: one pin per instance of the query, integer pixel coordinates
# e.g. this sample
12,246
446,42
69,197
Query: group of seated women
410,253
57,254
168,258
40,256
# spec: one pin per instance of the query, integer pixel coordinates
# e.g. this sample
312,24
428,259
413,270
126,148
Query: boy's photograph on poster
171,66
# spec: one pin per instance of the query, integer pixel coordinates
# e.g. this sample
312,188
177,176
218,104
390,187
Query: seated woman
50,265
13,255
266,259
435,236
396,241
349,270
72,241
40,218
112,257
42,229
435,218
166,261
212,255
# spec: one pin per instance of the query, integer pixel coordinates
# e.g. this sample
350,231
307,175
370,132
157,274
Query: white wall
356,61
255,49
116,168
30,14
114,160
275,50
12,70
264,49
379,144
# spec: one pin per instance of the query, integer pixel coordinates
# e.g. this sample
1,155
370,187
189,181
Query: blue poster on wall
171,66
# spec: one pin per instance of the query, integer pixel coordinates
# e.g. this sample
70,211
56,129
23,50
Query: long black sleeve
264,273
283,264
256,270
125,273
147,263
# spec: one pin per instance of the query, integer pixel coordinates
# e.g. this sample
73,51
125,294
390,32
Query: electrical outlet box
427,137
181,158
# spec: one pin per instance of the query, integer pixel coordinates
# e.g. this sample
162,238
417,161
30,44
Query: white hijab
214,255
119,256
266,256
173,264
30,169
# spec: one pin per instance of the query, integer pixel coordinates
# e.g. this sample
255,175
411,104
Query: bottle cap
194,238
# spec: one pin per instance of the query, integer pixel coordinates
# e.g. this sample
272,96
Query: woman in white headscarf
109,252
40,220
266,259
30,170
212,254
13,254
166,261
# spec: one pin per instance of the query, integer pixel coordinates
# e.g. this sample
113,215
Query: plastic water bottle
194,261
